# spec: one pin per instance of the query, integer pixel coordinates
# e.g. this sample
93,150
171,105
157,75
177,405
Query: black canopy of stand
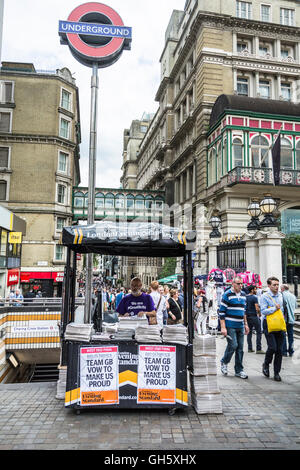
129,239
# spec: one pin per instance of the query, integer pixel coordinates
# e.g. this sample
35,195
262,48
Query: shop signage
37,327
95,33
157,374
99,376
13,276
15,237
290,221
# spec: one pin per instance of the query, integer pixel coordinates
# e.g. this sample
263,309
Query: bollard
284,279
295,279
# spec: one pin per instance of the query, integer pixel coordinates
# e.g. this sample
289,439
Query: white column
278,49
234,43
278,86
270,256
256,46
252,255
234,80
212,253
256,87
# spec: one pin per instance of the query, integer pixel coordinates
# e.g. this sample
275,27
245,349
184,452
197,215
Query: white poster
99,376
157,374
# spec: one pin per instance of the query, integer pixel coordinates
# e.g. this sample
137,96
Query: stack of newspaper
148,334
61,383
79,331
132,322
175,334
205,393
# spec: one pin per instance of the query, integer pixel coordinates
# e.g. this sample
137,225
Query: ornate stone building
39,164
244,48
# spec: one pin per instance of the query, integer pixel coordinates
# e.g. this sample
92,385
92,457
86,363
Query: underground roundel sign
95,34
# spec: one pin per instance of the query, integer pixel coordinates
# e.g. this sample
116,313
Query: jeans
254,322
275,344
235,345
290,335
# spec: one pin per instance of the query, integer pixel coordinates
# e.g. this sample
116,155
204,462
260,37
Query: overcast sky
126,89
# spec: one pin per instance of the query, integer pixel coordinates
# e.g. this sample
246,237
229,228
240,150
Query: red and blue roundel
95,33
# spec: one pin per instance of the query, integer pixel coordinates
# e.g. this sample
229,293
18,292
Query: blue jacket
291,303
267,304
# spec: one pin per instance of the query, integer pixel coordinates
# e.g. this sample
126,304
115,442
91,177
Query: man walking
291,305
234,325
252,314
271,301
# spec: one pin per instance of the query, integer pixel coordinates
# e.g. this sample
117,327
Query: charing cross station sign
95,34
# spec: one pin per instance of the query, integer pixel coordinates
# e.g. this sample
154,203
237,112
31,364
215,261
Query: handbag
275,321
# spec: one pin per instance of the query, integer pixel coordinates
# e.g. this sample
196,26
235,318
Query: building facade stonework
233,48
39,164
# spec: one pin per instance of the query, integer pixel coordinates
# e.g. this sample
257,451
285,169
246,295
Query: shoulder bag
275,321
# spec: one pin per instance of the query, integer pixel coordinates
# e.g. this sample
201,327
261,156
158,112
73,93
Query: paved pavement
258,413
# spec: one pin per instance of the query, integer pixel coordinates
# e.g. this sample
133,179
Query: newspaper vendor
137,303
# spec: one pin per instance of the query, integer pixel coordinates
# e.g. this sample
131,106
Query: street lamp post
267,206
215,222
254,211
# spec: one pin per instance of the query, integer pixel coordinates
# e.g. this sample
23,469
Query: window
64,130
287,16
3,245
263,50
59,253
99,201
265,13
219,162
63,162
244,10
139,202
109,201
5,122
130,202
225,152
144,129
66,100
60,222
237,147
260,152
264,89
286,91
149,202
212,167
286,154
61,194
120,201
159,204
6,92
242,86
3,189
298,155
78,200
241,46
4,154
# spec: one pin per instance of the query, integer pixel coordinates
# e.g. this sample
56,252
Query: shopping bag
276,322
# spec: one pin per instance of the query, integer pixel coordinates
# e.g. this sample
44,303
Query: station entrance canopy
129,239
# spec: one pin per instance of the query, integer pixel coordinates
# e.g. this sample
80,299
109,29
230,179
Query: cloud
126,89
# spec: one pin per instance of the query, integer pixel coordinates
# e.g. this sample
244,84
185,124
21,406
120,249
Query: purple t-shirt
133,305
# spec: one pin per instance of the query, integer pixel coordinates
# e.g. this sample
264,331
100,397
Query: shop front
43,283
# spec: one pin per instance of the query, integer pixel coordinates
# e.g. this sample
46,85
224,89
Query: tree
168,268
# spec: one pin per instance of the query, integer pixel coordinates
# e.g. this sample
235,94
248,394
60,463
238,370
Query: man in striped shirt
233,326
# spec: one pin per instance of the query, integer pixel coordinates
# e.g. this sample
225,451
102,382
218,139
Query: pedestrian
291,305
18,299
119,296
160,303
270,302
234,326
175,310
164,290
253,319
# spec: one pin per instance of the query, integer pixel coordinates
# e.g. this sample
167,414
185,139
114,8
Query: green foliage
292,243
168,268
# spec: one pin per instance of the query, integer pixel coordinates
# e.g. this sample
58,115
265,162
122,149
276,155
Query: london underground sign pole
96,36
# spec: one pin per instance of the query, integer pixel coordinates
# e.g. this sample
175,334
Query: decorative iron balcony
252,175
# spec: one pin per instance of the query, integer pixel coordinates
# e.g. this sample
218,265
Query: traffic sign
95,34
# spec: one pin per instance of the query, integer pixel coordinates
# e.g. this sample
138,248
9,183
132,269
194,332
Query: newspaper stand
116,373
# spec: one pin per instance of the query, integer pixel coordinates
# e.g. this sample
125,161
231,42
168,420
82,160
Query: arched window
237,152
120,201
219,162
109,201
139,202
225,153
286,154
260,152
159,202
298,155
149,202
78,200
130,201
99,201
